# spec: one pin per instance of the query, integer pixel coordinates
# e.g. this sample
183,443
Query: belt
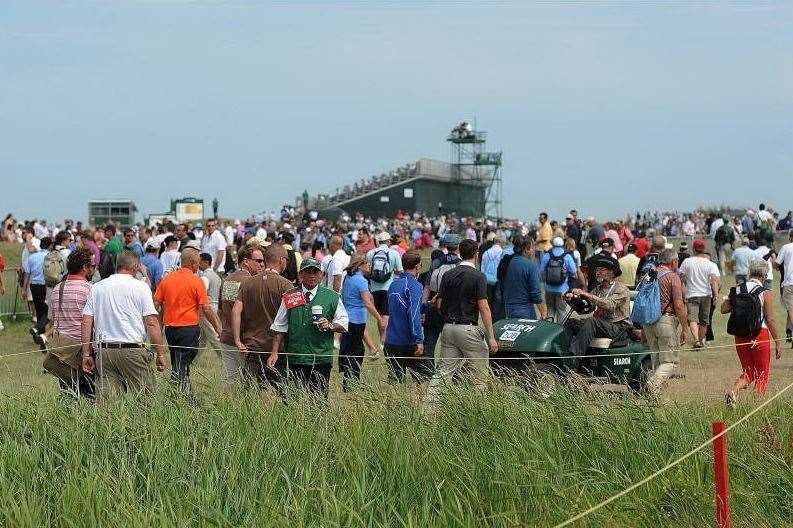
464,323
120,345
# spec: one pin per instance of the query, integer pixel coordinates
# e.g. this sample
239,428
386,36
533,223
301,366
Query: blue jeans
520,311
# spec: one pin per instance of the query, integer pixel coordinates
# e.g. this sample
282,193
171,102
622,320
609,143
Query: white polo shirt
212,244
785,257
696,272
118,305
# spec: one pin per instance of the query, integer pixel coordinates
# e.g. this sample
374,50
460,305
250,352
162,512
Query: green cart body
526,346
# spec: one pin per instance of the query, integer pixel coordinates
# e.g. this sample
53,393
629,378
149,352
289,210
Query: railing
12,303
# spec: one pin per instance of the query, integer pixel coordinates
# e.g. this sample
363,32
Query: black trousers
431,336
400,359
496,301
351,353
183,347
314,379
584,330
39,294
257,371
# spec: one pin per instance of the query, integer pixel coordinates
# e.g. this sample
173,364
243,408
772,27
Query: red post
721,476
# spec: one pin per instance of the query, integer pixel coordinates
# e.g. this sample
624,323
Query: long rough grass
505,458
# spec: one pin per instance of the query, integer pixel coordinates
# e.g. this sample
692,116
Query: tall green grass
501,459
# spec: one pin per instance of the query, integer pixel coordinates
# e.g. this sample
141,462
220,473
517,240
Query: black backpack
746,315
555,272
724,235
107,264
290,272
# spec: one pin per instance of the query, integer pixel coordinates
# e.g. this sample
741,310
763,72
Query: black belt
466,323
120,345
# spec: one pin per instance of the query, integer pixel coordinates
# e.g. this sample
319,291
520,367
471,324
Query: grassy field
498,459
502,458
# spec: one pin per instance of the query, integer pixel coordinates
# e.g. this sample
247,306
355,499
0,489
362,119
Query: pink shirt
91,246
616,238
68,319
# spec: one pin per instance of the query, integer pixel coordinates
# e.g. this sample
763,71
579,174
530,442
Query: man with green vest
308,317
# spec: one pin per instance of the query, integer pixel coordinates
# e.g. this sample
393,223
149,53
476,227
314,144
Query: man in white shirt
171,257
763,215
30,244
784,262
117,317
214,243
689,229
334,264
228,232
717,223
702,278
261,233
763,252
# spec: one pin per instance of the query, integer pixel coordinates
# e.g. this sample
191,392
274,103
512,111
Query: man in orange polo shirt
181,295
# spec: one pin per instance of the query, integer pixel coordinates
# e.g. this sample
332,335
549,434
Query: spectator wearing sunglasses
250,260
254,310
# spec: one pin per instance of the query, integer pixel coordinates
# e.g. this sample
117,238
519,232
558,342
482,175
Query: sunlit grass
504,458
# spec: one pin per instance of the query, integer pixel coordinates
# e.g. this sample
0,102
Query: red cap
699,245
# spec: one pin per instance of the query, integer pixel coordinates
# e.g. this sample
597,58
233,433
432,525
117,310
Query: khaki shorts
787,298
699,310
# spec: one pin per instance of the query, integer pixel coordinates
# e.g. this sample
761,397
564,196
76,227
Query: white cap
383,237
557,242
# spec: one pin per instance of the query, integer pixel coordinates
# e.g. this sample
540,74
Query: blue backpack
647,303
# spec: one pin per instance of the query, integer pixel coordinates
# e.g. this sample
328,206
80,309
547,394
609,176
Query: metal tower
473,165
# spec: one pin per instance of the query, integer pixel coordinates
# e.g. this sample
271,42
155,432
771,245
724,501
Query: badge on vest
293,299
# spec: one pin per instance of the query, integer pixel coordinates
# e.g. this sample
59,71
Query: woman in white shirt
754,353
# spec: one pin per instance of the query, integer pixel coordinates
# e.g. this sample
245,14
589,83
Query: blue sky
607,107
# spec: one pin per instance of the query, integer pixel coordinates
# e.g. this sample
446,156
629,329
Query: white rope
47,349
674,463
496,357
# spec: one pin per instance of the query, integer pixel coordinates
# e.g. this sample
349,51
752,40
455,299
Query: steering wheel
581,306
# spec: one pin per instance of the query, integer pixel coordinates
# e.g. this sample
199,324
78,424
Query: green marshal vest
303,336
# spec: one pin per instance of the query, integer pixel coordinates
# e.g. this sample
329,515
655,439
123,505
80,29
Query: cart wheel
639,383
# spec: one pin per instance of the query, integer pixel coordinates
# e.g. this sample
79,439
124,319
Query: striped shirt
67,316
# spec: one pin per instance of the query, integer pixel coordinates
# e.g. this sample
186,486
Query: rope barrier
522,358
48,349
673,463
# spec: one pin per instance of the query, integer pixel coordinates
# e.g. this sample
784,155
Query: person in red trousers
755,353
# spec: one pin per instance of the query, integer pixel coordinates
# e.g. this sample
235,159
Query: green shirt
113,246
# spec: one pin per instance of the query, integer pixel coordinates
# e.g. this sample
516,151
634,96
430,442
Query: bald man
180,296
334,264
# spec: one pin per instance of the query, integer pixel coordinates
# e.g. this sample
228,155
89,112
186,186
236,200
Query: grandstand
469,185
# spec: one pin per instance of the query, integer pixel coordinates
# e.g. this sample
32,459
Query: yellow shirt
629,264
544,236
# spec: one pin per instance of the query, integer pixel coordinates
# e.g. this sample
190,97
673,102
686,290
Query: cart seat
600,342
